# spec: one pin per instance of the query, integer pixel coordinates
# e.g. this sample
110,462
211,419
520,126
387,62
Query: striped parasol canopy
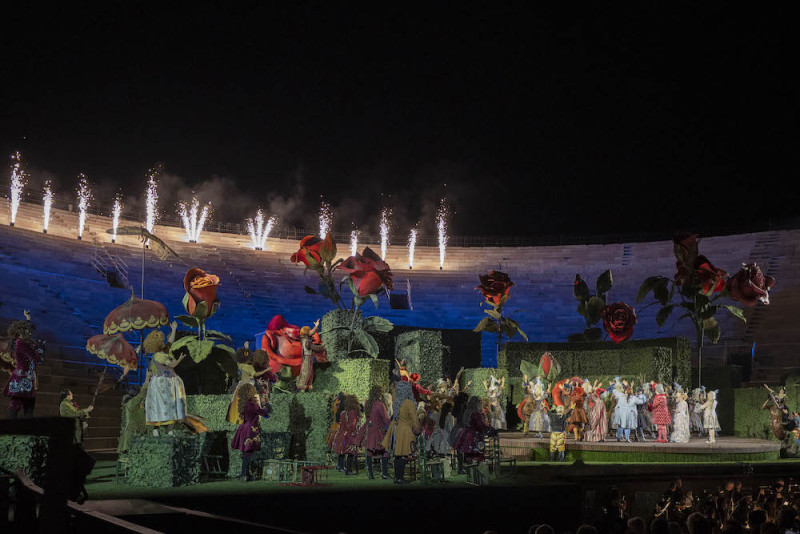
136,314
114,349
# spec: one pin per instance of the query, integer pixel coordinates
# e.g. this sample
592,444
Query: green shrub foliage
336,341
214,408
26,452
423,352
165,461
665,360
355,376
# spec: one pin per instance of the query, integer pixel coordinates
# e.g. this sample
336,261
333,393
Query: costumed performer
540,416
494,392
375,430
459,405
779,421
660,410
644,416
69,408
346,441
558,435
577,418
470,440
625,416
305,380
525,406
403,430
133,416
26,354
680,422
336,412
695,415
264,377
595,407
248,375
710,421
165,403
247,438
439,444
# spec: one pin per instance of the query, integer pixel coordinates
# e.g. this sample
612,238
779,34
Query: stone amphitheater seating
52,275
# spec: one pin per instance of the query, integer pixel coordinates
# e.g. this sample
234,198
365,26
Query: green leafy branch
497,323
590,306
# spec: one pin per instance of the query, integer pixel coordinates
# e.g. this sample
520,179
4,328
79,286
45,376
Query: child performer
660,410
710,421
248,436
558,435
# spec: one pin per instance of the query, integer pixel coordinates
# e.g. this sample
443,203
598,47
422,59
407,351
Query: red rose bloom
201,287
309,247
750,285
619,320
495,286
368,272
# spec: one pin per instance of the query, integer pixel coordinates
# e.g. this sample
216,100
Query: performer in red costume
375,430
347,439
660,410
25,356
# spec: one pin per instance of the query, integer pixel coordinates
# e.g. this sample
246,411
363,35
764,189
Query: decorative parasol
114,349
136,314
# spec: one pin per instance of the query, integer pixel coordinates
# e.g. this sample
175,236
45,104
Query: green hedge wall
480,374
353,376
214,408
307,416
665,359
335,341
423,352
165,461
27,452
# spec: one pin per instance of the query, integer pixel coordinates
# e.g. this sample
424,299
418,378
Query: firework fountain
441,227
117,211
17,184
259,229
84,196
194,218
353,242
325,219
412,243
151,201
385,214
47,203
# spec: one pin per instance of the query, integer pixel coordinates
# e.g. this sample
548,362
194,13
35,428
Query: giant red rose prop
709,278
200,287
685,248
309,250
750,285
619,320
368,272
495,286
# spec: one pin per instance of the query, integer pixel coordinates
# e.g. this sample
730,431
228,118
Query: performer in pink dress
347,439
660,411
375,430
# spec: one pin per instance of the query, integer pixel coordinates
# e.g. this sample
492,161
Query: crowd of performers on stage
586,411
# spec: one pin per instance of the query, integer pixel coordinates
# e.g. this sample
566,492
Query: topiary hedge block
423,352
353,376
165,461
26,452
334,337
214,408
307,417
666,359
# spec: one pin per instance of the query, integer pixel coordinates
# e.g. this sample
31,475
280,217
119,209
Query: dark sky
658,117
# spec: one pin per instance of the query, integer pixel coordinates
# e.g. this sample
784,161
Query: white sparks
259,230
325,219
353,242
385,214
441,226
47,203
84,196
17,184
115,217
412,243
151,200
194,217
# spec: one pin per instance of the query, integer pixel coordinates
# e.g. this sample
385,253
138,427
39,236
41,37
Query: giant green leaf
663,314
594,309
188,320
377,324
368,342
735,311
200,349
528,369
580,290
216,334
647,286
604,283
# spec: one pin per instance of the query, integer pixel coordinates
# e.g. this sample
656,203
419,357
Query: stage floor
727,448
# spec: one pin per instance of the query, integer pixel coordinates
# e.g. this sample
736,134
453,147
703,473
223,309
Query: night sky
653,119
